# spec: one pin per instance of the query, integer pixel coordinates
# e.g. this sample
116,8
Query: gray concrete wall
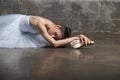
81,15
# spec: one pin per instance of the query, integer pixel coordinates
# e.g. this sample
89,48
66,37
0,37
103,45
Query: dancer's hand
85,39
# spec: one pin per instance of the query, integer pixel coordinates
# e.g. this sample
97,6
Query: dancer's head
60,32
66,32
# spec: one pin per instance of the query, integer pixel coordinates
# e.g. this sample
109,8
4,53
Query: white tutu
15,32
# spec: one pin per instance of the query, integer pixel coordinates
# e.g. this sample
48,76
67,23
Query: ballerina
28,31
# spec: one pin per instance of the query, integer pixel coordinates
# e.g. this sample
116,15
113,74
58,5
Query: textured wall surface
80,15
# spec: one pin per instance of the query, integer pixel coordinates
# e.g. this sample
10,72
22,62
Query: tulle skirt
12,37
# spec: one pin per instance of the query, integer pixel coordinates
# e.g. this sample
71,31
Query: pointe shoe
78,44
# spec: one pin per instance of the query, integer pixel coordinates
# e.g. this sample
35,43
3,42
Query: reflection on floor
97,62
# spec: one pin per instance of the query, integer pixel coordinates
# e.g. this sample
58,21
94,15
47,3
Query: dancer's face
55,32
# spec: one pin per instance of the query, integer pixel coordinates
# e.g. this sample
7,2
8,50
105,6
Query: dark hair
66,32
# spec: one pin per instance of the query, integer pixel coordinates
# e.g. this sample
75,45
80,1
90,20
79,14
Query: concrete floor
97,62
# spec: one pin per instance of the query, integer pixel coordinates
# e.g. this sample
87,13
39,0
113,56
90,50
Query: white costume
16,32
